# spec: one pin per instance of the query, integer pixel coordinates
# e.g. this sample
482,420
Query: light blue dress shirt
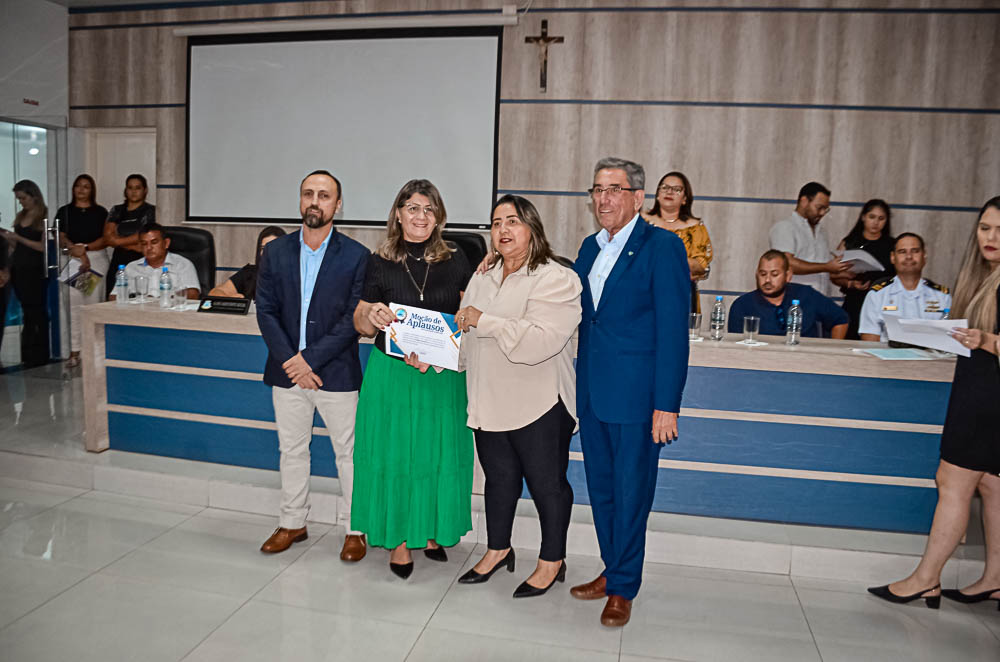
611,249
309,263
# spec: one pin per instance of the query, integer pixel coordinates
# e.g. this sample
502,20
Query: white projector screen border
344,218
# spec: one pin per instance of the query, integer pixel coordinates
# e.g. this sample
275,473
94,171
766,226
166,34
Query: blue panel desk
814,434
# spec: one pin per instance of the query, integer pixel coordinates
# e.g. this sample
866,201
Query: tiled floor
90,575
86,575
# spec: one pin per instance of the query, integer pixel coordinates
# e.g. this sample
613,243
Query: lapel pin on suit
630,253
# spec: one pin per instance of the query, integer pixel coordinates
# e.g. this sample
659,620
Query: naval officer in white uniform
907,295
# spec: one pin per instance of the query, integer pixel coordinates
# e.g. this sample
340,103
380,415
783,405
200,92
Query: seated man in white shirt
805,243
154,245
907,294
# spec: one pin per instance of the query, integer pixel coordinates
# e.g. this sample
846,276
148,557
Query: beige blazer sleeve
549,321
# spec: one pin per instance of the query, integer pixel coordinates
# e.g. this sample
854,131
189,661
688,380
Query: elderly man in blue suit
631,368
308,284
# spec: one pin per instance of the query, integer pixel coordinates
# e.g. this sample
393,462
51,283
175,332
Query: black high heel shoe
933,601
473,577
436,554
401,570
965,598
526,590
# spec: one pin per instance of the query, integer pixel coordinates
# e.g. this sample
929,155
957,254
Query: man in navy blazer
630,372
308,284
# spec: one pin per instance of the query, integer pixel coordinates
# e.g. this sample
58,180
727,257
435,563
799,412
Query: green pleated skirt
413,456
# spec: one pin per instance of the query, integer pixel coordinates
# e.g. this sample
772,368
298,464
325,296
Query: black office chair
470,243
198,246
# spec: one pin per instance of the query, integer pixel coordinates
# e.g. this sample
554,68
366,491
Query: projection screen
375,108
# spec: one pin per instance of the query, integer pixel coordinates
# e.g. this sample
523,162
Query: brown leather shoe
617,612
354,549
282,539
591,590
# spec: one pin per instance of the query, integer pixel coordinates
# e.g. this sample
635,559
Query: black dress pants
30,289
539,454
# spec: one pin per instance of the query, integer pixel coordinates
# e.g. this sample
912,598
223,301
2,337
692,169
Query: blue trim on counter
808,394
207,442
192,349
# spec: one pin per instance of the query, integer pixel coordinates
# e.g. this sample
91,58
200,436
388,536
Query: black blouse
245,281
82,225
388,282
130,221
880,249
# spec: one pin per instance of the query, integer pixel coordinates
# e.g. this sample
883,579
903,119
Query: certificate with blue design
433,336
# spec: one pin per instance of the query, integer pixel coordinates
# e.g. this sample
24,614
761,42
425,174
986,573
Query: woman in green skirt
413,453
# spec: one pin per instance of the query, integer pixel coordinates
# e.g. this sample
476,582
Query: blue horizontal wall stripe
217,351
270,19
118,106
827,503
752,104
206,442
195,394
768,201
812,447
807,394
776,499
170,186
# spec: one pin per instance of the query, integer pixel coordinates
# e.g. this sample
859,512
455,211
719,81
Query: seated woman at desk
243,284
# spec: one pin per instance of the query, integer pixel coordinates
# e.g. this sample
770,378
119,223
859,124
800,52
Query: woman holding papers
871,233
519,319
81,234
970,442
413,453
28,274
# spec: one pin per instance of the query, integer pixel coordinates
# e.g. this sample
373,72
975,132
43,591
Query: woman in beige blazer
519,319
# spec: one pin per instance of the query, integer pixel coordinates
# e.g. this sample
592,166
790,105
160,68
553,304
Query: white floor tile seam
619,654
454,582
251,598
45,509
101,569
805,617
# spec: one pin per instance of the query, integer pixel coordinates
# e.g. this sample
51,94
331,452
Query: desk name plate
224,305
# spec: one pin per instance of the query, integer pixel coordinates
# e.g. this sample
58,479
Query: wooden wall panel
747,155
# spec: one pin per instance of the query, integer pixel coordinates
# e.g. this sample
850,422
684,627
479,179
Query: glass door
31,327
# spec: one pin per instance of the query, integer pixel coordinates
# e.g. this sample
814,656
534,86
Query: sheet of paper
434,336
861,261
926,333
901,354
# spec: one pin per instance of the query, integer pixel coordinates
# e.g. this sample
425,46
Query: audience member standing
121,232
970,442
871,233
29,274
4,281
414,456
907,294
805,242
519,319
631,369
308,285
773,297
81,234
672,211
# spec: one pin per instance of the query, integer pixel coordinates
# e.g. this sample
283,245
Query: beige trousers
293,413
99,263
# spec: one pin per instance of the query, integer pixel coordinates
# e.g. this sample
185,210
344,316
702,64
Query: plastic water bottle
166,289
121,286
718,319
794,326
946,313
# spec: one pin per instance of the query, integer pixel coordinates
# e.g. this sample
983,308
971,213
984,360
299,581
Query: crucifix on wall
542,41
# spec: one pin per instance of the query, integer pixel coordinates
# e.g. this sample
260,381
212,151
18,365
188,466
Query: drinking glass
751,325
694,326
140,289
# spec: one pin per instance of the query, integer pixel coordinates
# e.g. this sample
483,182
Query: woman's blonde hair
976,289
40,212
393,247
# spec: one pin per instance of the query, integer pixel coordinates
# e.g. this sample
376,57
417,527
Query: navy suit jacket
633,351
331,341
